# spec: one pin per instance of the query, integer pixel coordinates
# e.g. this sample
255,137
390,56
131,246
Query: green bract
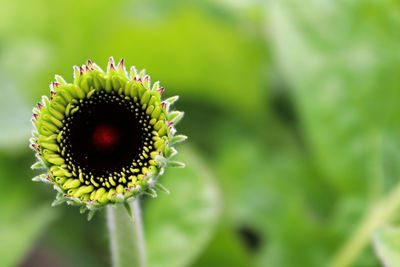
105,138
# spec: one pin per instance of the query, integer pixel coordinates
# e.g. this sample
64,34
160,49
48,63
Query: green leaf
340,124
226,73
387,245
179,225
337,60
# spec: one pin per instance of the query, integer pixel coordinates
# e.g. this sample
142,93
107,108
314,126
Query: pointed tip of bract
53,88
171,153
37,165
172,99
59,200
179,138
76,72
110,65
82,209
90,64
161,91
164,105
176,116
59,79
176,164
94,66
91,214
121,64
128,210
146,82
132,73
155,87
40,105
121,68
151,192
141,74
162,188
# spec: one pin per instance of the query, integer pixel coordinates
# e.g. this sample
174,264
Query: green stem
379,214
127,242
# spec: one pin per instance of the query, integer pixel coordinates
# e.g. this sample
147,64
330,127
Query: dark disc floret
107,135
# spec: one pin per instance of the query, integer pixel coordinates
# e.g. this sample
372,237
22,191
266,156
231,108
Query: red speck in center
105,136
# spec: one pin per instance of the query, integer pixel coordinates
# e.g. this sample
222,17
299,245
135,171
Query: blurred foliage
387,245
291,112
17,204
177,228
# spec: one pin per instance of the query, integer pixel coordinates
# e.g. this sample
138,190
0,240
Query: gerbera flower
106,137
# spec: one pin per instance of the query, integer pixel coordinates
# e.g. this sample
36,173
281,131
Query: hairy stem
127,242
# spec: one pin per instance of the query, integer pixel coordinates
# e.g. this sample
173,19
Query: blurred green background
291,108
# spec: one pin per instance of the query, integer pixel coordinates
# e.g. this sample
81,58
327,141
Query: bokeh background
291,108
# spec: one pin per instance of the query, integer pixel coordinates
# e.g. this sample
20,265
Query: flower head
106,137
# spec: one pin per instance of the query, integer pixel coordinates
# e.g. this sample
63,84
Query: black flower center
106,136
